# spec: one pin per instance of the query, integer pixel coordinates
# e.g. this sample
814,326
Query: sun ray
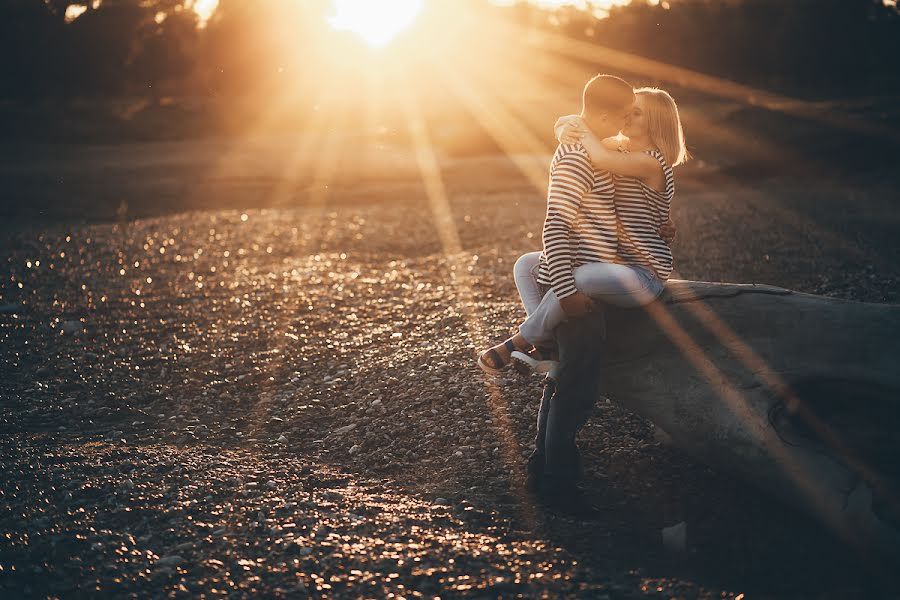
780,388
453,251
231,157
326,166
588,52
375,22
327,151
535,51
313,143
569,76
529,153
500,127
815,491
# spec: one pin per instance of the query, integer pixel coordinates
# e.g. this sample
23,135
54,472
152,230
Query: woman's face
636,122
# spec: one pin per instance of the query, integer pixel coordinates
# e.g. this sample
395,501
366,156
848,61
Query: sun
375,22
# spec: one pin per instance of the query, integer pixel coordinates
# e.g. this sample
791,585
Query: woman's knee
525,263
527,260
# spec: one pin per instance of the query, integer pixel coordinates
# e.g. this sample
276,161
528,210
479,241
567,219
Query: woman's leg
497,358
621,285
525,275
538,327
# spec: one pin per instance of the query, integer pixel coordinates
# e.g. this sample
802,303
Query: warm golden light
73,11
205,9
375,22
600,8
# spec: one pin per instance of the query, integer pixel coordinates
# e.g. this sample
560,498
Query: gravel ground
285,403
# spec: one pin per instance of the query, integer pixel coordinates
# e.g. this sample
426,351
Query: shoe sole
491,370
538,366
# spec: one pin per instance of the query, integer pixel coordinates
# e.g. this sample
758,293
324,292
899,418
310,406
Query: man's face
608,124
621,117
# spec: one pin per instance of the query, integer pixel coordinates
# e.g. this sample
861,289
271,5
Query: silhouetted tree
252,50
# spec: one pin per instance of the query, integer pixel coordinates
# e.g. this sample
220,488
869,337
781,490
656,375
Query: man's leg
534,470
577,386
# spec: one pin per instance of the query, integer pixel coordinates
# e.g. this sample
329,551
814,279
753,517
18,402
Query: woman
641,164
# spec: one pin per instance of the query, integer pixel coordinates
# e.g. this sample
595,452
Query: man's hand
667,232
576,305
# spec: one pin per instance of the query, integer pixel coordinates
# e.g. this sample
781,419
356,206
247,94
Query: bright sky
598,7
379,22
375,22
205,9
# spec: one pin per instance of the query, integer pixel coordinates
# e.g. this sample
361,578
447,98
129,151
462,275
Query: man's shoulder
571,151
572,156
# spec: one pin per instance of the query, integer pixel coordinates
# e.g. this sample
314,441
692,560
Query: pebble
170,561
71,326
426,378
675,537
9,308
344,429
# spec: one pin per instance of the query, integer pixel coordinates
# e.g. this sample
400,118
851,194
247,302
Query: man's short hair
605,94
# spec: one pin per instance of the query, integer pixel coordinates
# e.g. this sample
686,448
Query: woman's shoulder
668,176
658,155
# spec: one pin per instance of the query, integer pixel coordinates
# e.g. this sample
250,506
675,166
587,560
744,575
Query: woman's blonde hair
664,124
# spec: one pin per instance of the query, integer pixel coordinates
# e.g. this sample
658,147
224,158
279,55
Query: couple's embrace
606,240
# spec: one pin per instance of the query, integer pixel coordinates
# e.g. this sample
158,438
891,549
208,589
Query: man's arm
570,179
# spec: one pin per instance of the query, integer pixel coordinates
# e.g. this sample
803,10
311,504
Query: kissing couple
606,240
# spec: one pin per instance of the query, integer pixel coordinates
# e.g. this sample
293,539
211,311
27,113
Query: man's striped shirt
580,227
641,211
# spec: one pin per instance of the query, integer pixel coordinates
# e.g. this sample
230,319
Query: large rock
794,392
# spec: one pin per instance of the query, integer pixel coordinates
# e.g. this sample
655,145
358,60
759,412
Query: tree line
157,47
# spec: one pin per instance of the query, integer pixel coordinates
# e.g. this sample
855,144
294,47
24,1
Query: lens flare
205,9
375,22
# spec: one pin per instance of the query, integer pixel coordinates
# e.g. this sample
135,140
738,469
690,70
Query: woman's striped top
641,211
580,226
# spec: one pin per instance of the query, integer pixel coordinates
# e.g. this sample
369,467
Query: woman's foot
539,360
498,358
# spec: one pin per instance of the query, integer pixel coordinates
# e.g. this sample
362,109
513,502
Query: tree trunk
795,393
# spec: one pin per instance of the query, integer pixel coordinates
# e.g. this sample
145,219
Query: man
580,228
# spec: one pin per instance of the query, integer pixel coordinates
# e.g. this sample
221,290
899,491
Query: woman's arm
561,130
571,129
630,164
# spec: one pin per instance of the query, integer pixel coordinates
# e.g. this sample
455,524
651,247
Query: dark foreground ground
284,402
